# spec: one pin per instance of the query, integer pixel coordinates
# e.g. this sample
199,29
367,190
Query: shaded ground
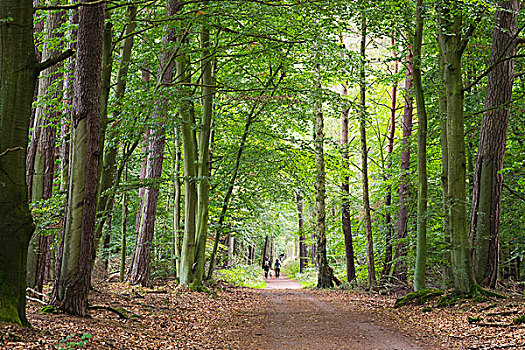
170,317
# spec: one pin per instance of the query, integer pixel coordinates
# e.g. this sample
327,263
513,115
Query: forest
153,153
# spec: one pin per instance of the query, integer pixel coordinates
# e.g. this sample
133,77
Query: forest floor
279,317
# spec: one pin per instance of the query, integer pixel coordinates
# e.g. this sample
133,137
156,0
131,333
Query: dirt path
292,318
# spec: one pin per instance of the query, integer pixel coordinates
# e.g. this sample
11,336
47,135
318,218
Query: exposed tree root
418,297
108,308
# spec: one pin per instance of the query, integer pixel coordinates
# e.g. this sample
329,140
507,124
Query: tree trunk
139,270
324,277
387,264
69,82
452,45
208,93
189,143
303,254
42,149
488,179
177,244
107,176
123,241
18,71
370,261
345,205
72,286
421,254
400,268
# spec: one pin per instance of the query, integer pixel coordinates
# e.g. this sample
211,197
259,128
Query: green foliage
243,276
74,341
48,309
519,320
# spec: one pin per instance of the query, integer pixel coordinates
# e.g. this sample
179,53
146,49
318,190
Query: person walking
266,266
277,268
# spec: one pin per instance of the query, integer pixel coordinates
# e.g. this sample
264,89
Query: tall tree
387,265
488,179
41,153
346,221
370,261
421,254
453,38
303,254
139,270
72,284
18,69
400,268
324,277
203,170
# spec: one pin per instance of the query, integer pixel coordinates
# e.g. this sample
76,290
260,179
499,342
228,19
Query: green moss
474,319
9,311
427,309
48,309
519,320
418,297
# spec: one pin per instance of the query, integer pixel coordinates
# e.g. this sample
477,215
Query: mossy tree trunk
488,180
421,254
208,93
72,285
453,40
18,69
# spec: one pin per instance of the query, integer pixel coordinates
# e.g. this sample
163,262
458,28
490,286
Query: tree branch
54,60
68,7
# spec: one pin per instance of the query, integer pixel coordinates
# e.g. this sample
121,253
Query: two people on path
266,267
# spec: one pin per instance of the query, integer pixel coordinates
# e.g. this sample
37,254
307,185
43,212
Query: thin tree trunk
346,221
421,254
303,254
189,143
387,264
123,241
107,177
370,261
42,148
72,286
324,277
488,179
400,268
139,271
208,93
177,206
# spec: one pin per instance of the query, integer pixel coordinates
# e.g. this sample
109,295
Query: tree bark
488,180
346,221
42,148
452,44
387,264
208,93
107,176
139,270
303,254
72,286
421,253
18,71
324,277
400,268
370,261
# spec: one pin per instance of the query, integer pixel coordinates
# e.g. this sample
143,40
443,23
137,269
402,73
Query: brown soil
291,318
